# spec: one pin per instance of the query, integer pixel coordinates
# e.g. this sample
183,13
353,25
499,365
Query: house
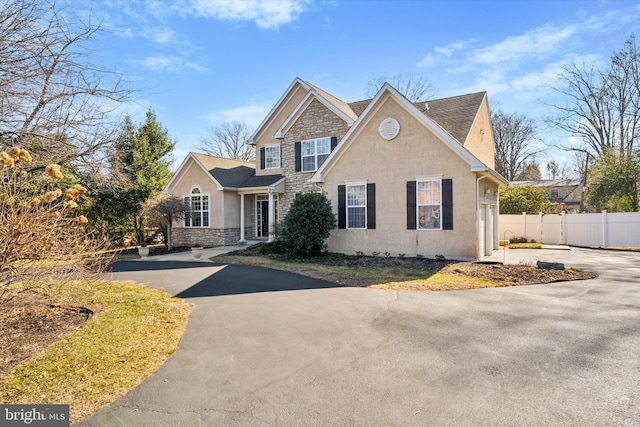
564,194
402,177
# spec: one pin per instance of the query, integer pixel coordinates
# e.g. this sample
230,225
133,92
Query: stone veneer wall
317,121
209,236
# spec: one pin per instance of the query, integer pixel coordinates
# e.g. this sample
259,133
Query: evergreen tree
139,170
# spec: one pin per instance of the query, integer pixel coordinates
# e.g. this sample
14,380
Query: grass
135,329
441,282
525,246
378,277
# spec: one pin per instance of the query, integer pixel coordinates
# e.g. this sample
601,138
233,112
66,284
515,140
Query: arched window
198,216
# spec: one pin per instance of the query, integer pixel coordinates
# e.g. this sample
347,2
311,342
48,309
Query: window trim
202,212
349,184
266,163
315,153
423,179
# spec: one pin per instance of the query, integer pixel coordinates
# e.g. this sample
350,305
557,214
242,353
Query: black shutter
447,204
342,206
262,159
371,206
298,156
334,142
411,205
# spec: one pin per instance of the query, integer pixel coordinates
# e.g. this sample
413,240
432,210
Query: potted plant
196,250
143,250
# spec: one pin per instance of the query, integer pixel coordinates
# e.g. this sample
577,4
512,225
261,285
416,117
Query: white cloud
171,64
267,14
538,43
449,49
442,52
251,114
160,35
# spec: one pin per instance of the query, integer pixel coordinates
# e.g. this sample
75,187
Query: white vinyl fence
583,229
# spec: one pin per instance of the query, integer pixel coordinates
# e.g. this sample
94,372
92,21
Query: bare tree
516,147
230,140
52,101
602,108
415,88
555,170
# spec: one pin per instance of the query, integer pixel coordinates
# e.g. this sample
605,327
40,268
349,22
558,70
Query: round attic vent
389,128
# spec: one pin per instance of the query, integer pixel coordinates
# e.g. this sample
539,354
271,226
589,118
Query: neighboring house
402,177
564,194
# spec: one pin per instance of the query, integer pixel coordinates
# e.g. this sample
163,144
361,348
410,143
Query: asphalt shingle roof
233,177
260,181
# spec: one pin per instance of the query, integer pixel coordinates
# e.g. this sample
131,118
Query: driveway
267,348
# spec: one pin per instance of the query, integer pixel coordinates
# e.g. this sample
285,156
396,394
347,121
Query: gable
316,121
311,100
394,104
291,98
416,150
196,170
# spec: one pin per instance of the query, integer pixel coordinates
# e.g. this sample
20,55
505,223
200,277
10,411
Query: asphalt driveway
266,348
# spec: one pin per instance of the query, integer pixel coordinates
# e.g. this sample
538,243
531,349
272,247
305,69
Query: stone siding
209,236
317,121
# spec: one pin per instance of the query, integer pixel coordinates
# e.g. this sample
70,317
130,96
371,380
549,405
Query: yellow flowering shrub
42,237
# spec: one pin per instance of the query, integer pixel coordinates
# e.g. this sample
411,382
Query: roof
446,137
339,104
232,178
210,162
454,114
261,181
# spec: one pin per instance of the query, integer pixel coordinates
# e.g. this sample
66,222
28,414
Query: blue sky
199,63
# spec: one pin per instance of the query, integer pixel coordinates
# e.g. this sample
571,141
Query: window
314,153
199,209
429,204
272,157
356,206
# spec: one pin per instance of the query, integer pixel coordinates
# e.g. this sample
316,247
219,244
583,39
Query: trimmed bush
307,225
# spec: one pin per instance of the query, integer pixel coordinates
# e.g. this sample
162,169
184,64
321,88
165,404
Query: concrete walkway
206,253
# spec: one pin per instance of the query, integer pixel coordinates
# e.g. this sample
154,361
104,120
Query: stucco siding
413,153
480,138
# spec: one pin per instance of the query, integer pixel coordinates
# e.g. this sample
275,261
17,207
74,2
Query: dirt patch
516,274
30,324
511,274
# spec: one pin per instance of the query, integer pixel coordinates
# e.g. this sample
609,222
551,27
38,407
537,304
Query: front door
263,218
262,214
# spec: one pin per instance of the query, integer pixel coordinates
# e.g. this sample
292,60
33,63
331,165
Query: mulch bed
512,274
30,324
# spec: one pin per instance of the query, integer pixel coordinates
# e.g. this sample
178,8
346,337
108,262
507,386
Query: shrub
42,238
307,225
526,198
276,248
